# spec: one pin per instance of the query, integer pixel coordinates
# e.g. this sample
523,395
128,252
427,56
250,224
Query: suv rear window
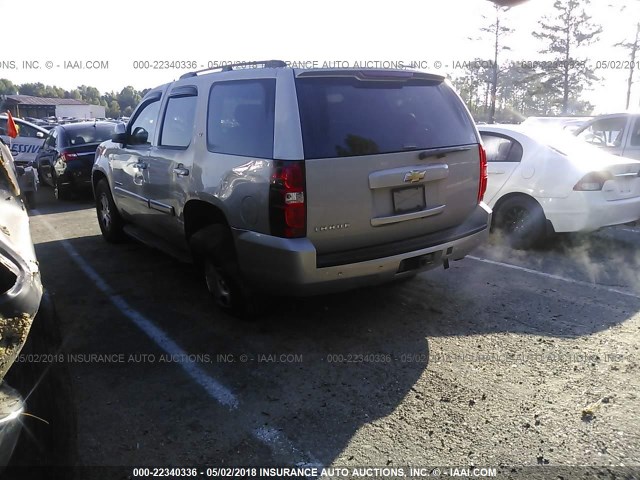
241,117
343,117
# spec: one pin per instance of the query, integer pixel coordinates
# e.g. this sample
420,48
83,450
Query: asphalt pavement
506,360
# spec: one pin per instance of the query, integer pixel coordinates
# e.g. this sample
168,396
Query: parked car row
65,159
61,157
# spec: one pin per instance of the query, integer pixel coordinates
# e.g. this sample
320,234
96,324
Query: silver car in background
618,134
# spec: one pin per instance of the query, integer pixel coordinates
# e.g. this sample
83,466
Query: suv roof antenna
231,66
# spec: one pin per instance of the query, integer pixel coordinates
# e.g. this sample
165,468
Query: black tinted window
345,117
91,133
501,149
177,127
240,118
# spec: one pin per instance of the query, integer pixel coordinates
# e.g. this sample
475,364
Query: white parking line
274,439
556,277
213,388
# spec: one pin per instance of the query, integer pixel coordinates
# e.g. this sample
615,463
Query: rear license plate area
408,199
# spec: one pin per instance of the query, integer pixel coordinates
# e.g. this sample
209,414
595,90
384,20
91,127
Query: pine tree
497,30
566,75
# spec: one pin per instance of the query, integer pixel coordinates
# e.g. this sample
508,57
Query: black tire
61,192
214,252
521,221
109,219
48,391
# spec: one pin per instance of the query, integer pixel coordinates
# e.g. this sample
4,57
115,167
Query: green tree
631,46
128,98
113,111
474,85
89,95
33,89
74,94
7,87
53,92
569,28
498,30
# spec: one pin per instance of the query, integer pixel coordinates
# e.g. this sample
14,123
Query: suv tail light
67,156
287,209
592,182
482,184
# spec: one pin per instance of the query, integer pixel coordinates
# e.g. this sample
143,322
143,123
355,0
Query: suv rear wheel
213,249
111,223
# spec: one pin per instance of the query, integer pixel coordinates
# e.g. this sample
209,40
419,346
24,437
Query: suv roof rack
231,66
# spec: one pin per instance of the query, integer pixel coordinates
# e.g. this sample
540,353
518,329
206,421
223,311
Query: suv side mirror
139,136
119,134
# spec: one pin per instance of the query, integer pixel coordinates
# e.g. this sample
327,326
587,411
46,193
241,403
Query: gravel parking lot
521,361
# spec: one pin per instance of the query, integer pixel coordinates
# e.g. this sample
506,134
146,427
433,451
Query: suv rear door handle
181,171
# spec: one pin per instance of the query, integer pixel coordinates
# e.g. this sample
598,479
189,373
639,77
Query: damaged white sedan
542,182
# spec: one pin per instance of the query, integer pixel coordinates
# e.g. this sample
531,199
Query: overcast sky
122,32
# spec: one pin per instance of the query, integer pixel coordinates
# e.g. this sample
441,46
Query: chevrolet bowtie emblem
414,176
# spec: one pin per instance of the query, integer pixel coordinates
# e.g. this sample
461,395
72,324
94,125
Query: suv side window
146,121
501,149
241,117
177,126
607,132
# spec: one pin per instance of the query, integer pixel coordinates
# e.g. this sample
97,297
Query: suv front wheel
111,223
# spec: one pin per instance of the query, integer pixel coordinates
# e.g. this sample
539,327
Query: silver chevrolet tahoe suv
297,182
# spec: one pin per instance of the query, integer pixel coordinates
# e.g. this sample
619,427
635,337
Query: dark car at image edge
67,155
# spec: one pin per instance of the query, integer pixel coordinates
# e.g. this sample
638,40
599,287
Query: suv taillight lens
66,156
287,209
482,184
592,182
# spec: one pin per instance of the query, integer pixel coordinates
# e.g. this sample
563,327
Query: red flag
12,129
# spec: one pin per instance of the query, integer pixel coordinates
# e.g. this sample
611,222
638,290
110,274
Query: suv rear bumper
292,266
